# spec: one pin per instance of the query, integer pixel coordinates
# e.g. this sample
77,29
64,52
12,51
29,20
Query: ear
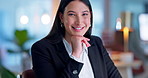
61,17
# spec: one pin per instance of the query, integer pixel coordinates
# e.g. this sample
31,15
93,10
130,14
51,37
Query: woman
69,51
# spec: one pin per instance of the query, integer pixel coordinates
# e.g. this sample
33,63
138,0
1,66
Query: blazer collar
62,53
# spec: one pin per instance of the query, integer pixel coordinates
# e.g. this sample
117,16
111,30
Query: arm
45,67
111,68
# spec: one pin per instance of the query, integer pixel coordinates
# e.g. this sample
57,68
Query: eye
71,14
85,14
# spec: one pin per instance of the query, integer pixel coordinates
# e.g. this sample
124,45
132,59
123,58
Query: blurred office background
22,22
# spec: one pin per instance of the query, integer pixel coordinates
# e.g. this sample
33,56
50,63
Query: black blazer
51,60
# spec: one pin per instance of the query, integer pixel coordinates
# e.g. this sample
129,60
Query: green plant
21,37
5,73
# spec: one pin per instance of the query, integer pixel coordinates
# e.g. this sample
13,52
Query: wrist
76,54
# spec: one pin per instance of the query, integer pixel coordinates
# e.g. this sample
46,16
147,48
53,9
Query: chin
78,34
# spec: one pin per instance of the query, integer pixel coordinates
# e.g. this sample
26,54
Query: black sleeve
44,67
112,70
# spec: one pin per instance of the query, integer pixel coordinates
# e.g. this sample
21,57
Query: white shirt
86,71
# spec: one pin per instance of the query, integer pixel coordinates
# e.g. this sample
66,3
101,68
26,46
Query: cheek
68,21
87,22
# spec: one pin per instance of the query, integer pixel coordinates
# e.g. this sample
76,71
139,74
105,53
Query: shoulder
95,39
43,43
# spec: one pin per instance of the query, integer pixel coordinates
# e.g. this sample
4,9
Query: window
143,22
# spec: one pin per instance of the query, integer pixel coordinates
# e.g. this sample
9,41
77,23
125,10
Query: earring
62,25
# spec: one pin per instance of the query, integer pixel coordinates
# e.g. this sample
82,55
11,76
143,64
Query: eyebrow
86,11
74,11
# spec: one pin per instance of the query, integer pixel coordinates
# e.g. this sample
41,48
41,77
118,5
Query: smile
78,28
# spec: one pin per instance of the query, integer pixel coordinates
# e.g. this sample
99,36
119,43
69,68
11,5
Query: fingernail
88,45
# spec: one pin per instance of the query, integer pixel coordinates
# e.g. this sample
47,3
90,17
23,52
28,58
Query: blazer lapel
61,51
93,56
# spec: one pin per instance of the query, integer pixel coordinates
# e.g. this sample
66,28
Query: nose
79,20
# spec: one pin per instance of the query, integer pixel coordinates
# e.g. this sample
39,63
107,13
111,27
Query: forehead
76,5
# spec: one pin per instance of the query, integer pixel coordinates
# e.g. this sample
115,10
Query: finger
86,43
86,38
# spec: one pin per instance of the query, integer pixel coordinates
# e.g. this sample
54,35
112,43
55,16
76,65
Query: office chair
28,74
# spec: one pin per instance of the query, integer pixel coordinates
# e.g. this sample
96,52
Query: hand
76,42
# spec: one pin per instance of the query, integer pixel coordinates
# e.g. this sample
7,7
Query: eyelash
74,14
84,14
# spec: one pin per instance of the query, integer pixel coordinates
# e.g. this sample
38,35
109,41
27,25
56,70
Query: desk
125,69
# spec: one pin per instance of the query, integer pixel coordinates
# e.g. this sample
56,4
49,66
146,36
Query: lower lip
78,30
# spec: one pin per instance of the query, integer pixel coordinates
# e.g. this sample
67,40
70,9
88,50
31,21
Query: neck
68,38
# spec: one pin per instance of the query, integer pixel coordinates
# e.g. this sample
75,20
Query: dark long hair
58,32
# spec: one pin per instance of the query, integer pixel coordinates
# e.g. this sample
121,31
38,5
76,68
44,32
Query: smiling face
76,19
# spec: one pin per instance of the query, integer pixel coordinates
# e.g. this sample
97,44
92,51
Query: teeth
78,28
